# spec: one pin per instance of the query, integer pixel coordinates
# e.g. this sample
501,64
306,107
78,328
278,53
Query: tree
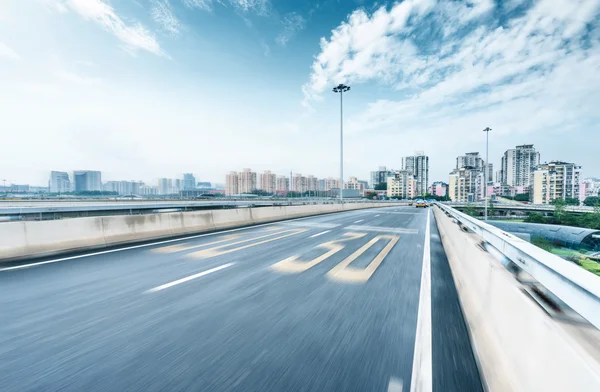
591,201
382,186
536,217
521,197
569,201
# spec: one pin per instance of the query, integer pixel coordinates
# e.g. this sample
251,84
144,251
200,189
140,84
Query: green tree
470,210
559,211
382,186
591,201
521,197
569,201
536,217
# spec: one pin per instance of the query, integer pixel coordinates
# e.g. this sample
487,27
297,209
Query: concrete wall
19,240
518,346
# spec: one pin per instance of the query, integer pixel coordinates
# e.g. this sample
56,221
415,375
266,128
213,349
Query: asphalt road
330,303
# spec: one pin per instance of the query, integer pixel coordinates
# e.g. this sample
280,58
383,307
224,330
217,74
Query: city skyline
101,85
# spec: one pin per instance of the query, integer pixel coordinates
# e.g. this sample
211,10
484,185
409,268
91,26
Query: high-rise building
165,186
123,187
311,183
438,188
247,181
490,173
87,180
470,159
402,185
332,183
380,176
148,190
231,184
518,164
299,183
322,185
556,180
59,182
418,165
268,181
189,182
283,184
466,185
355,183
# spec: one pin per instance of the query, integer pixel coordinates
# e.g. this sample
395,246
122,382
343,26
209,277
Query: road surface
328,303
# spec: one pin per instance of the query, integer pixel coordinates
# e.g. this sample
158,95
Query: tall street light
486,171
341,88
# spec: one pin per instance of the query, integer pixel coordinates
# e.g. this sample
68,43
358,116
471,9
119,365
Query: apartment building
518,165
556,180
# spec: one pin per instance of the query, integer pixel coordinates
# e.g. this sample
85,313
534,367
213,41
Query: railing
576,287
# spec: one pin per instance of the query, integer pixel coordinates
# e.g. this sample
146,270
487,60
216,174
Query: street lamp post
486,171
341,88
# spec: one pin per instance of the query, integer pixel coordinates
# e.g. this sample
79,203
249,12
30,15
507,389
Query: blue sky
142,89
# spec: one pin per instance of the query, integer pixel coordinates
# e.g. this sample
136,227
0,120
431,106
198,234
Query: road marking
293,265
358,221
421,380
182,247
188,278
104,252
321,233
212,252
377,215
395,385
313,224
394,230
342,271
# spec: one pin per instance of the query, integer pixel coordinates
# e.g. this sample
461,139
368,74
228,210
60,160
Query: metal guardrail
573,285
525,207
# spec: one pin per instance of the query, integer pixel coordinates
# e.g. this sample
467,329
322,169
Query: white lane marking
321,233
358,221
395,385
313,224
421,380
17,267
377,215
188,278
382,229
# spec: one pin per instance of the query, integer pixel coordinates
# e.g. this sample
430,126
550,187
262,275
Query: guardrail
573,285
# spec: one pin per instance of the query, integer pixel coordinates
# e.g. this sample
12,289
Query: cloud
202,4
292,23
77,78
260,7
163,15
7,52
134,36
451,69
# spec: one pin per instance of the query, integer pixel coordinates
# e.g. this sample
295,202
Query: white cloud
163,15
537,72
292,23
202,4
7,52
134,36
260,7
76,78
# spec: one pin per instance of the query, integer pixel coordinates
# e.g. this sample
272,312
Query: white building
556,180
283,184
59,182
87,180
518,164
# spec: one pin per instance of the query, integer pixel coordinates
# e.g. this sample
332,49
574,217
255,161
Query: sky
142,89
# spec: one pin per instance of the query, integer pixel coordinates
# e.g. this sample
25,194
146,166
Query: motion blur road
329,303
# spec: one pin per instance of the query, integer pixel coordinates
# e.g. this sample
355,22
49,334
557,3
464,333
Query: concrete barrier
42,237
127,228
13,242
518,346
30,239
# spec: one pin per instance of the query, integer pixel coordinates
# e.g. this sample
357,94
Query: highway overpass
371,297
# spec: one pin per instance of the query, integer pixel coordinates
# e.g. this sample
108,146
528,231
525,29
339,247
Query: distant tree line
590,220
